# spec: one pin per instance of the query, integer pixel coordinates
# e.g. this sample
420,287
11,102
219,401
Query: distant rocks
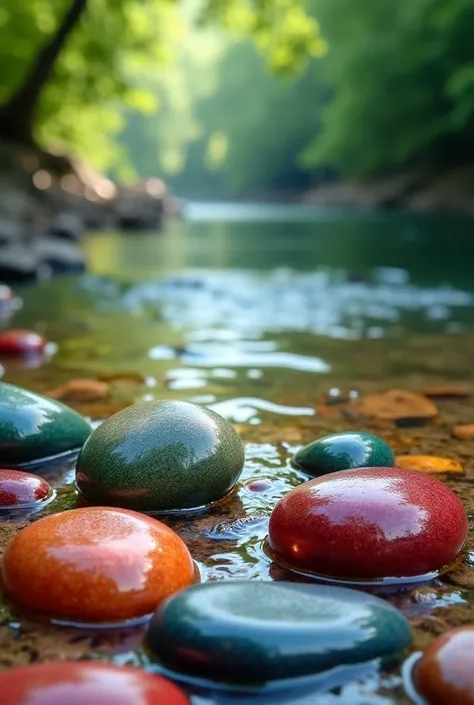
48,201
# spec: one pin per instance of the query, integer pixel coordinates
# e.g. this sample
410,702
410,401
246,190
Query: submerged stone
444,674
21,342
342,451
159,456
22,488
370,523
33,427
249,631
86,683
95,564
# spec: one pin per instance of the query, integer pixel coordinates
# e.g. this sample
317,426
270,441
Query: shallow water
271,316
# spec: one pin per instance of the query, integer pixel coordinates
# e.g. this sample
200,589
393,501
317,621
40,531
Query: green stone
343,451
33,427
255,632
160,456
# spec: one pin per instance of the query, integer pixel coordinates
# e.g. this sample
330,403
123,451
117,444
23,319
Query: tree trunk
17,115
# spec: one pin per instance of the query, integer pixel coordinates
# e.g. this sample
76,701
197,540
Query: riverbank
50,200
416,191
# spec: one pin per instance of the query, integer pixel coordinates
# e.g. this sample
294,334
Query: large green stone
343,451
159,456
252,631
33,427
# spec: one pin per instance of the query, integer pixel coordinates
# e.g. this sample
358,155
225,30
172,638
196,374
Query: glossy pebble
249,631
86,683
342,451
95,564
444,675
21,488
160,456
371,523
21,342
429,463
33,427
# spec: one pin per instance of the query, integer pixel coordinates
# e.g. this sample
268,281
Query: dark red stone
19,488
369,523
21,342
444,674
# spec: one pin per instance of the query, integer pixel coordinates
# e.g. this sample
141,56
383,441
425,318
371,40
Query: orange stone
397,404
444,674
464,432
96,564
80,390
428,463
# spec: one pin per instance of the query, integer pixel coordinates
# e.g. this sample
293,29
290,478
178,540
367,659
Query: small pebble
397,405
160,456
464,432
21,488
252,631
86,683
444,675
21,342
429,463
95,565
342,451
259,485
447,392
371,523
81,390
33,427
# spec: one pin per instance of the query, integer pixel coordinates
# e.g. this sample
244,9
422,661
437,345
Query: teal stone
33,427
256,632
343,451
160,456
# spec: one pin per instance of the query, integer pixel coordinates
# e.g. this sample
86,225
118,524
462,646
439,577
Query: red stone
19,488
444,674
97,564
259,485
21,342
86,683
369,523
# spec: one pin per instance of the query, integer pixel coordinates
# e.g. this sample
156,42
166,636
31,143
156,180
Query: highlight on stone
160,456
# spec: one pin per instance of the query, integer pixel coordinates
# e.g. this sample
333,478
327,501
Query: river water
264,313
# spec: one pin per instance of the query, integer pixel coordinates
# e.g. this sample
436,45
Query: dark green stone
159,456
343,451
249,631
33,427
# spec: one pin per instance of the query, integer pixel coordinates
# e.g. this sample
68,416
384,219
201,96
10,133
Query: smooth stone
249,631
96,564
444,675
21,342
22,488
160,456
86,683
370,523
342,451
429,463
33,427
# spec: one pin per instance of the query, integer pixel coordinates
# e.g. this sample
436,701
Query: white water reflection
243,410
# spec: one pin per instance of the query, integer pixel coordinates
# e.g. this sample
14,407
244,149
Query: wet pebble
160,456
371,523
21,342
262,485
399,406
464,432
429,463
342,451
33,427
444,674
95,565
22,488
81,390
86,683
250,631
